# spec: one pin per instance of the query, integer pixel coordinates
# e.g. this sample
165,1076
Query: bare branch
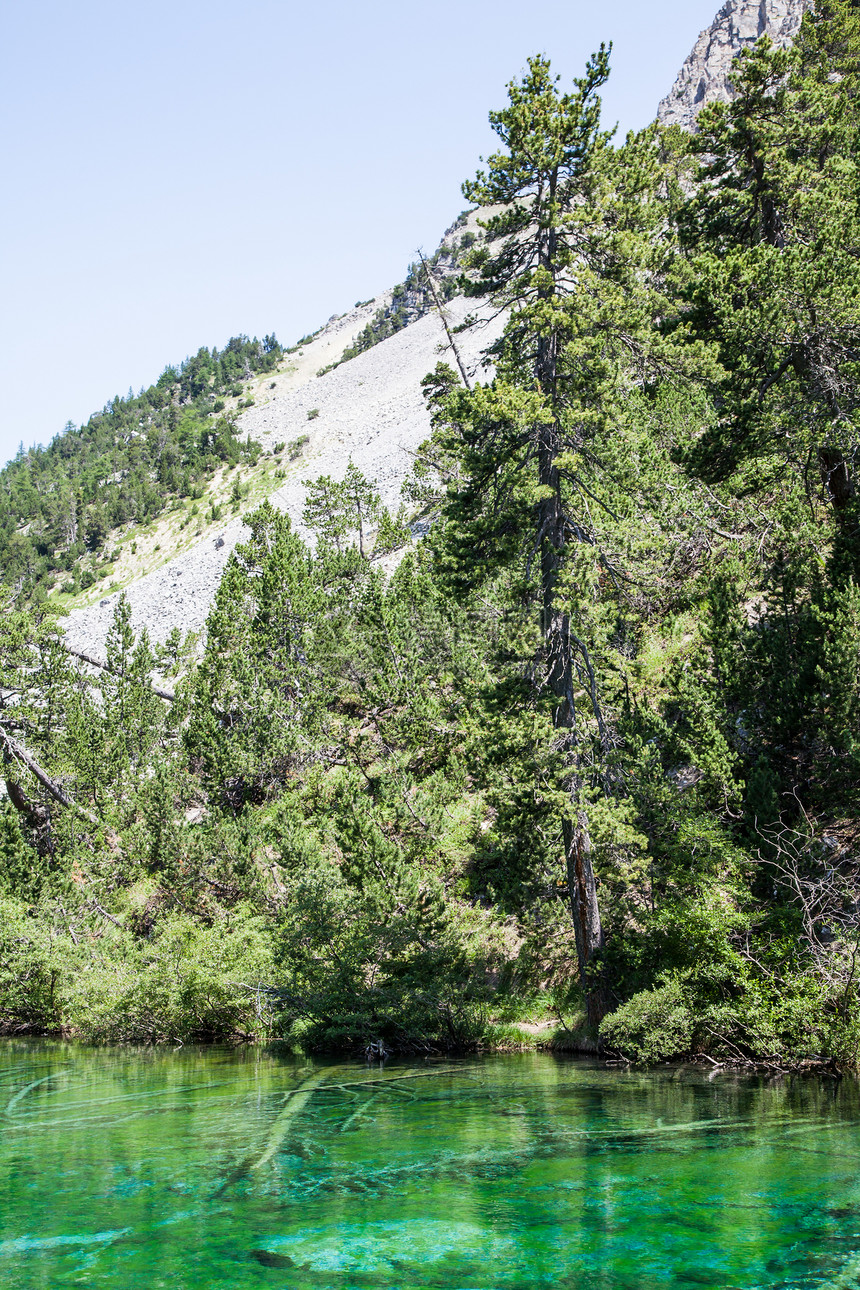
14,750
167,695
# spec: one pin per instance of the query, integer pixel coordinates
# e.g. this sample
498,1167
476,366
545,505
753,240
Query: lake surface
218,1169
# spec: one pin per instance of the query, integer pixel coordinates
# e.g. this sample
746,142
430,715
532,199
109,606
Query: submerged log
295,1102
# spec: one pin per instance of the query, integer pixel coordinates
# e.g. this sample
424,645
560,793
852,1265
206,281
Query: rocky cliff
704,77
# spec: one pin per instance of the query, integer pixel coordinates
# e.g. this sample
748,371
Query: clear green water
208,1169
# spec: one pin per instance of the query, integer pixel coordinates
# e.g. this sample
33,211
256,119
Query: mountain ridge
705,74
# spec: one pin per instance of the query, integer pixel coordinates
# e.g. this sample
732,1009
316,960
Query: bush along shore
584,769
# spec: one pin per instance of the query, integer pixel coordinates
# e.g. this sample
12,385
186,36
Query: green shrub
29,970
730,1012
356,969
652,1026
186,982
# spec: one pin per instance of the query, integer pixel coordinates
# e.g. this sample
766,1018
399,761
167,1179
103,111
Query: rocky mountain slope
704,78
368,409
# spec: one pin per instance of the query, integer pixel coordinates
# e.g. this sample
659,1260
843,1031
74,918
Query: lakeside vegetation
590,755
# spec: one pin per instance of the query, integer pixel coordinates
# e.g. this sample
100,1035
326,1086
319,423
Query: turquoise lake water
220,1169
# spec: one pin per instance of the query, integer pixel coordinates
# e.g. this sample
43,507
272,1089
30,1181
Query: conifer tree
773,232
335,511
572,249
254,693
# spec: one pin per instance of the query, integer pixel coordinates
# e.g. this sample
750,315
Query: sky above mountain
179,173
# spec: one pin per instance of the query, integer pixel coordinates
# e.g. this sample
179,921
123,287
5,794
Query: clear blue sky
177,173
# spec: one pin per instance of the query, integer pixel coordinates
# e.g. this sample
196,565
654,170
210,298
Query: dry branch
444,317
168,695
14,749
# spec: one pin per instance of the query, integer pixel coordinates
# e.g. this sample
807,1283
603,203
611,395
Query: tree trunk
586,917
836,477
582,885
581,881
13,750
556,630
167,695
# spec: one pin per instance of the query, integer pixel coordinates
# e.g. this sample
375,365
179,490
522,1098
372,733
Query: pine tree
335,511
573,254
772,233
255,692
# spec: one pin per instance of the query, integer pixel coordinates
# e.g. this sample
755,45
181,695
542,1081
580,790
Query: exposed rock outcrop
704,78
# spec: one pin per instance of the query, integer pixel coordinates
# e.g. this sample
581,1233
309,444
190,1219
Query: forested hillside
126,464
588,759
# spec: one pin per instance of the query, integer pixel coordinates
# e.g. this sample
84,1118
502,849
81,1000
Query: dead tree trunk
167,695
13,751
444,317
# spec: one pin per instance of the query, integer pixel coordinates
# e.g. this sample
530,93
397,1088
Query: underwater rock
270,1260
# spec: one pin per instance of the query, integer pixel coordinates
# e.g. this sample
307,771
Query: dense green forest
589,759
124,466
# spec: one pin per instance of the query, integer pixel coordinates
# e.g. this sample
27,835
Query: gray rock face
704,78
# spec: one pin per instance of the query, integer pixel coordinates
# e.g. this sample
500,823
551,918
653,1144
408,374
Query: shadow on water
204,1168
